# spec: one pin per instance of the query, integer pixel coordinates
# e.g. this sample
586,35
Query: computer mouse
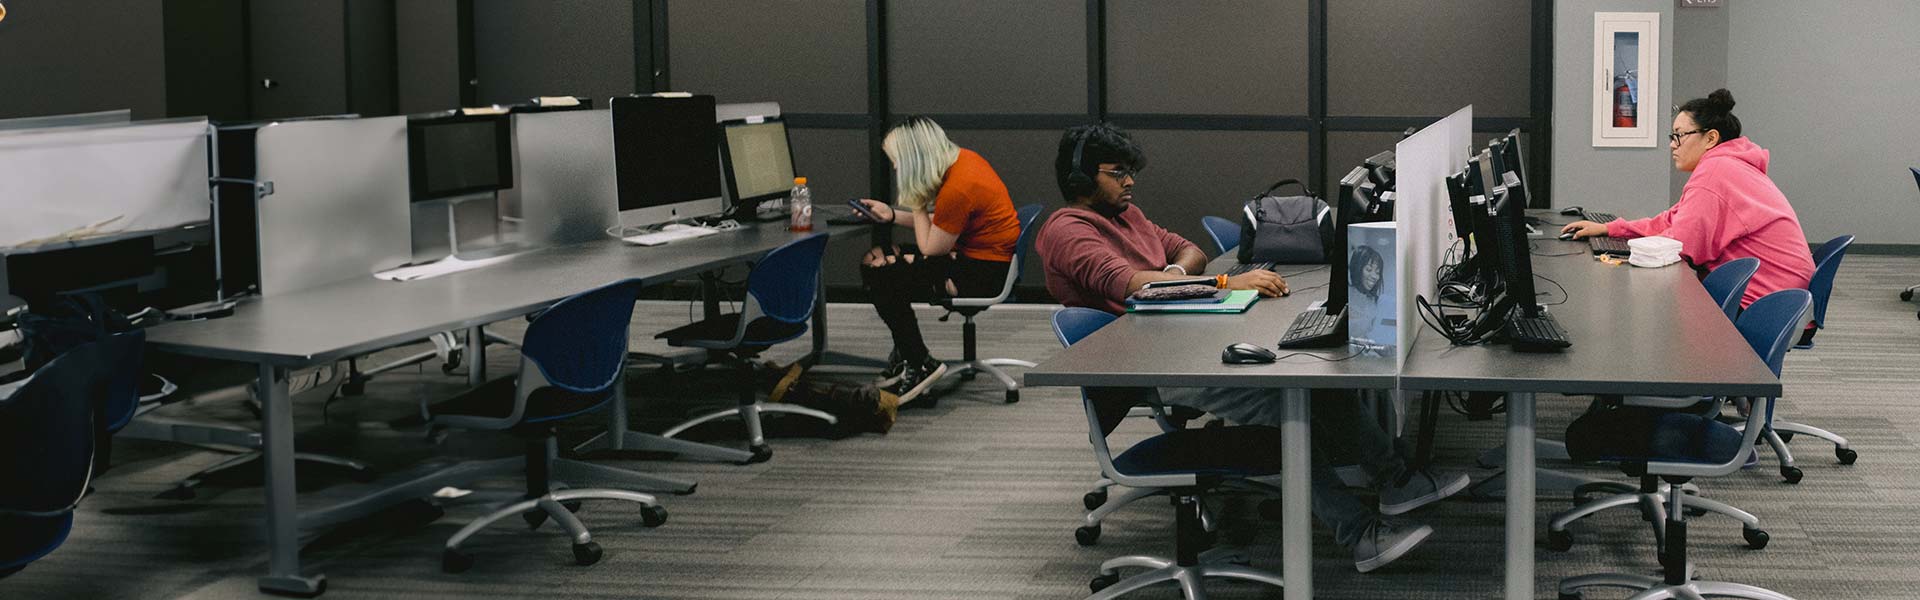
1246,354
1571,211
1566,237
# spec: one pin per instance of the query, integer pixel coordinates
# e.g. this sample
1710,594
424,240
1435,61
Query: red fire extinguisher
1623,109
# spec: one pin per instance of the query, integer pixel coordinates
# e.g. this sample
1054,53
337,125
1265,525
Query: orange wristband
1220,281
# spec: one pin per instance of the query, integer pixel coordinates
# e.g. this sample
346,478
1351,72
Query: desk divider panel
339,208
108,177
563,176
1421,213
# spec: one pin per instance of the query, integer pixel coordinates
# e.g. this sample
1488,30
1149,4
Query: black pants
911,277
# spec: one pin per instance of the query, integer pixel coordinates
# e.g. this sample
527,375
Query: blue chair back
785,281
580,344
1916,174
1028,214
1770,323
1225,232
1826,262
1073,323
125,366
1728,283
47,433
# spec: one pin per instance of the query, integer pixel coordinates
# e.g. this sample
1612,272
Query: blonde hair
921,155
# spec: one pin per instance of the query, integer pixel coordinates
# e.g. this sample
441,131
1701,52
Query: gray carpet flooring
971,498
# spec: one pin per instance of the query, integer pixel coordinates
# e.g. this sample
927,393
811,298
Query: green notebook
1237,302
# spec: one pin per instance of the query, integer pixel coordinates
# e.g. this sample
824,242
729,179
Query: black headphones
1078,181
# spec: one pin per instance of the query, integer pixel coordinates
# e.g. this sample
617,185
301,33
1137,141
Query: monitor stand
471,250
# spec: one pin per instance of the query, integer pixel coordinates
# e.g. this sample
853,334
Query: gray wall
1630,182
1699,61
72,56
1830,89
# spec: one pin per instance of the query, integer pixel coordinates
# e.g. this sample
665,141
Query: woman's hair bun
1721,99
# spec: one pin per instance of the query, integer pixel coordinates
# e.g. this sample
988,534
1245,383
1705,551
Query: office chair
572,363
1826,263
1188,463
780,299
1727,284
47,439
1678,446
969,365
1225,233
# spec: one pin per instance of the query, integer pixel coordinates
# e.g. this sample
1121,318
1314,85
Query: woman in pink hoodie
1729,209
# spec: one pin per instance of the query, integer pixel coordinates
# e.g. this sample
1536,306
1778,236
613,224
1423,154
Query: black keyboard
1609,245
1239,268
1315,328
1535,334
1599,217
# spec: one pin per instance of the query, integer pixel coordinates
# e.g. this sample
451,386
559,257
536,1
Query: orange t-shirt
973,204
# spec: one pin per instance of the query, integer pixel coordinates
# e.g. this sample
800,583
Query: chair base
750,413
991,366
1653,509
552,506
1654,588
1219,563
168,430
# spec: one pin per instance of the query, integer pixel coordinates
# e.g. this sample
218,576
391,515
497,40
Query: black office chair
780,300
1188,463
48,431
1907,294
969,364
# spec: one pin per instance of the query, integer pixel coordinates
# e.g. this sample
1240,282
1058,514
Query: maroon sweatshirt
1089,258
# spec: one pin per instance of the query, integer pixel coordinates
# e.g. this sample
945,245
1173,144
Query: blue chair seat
494,400
29,538
1241,451
1634,434
717,332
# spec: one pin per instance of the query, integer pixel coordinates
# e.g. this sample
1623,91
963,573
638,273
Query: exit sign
1700,3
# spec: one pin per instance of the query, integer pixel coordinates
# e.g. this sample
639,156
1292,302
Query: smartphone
860,208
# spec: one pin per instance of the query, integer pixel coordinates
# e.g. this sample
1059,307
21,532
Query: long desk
1177,350
1635,331
331,322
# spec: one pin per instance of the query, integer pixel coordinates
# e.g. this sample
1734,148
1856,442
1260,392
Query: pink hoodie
1729,209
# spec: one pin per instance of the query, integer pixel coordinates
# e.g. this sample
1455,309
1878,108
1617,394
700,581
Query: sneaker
1386,541
917,379
1425,487
896,367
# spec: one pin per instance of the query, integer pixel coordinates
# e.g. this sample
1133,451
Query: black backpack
1286,229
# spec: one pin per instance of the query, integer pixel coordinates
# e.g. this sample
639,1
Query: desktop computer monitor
1513,159
666,158
455,155
757,157
1512,251
1326,325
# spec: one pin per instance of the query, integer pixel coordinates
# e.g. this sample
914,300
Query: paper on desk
437,268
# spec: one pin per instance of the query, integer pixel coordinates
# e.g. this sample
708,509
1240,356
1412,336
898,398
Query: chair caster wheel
573,506
1786,437
1013,396
353,388
1559,541
534,518
761,453
1094,500
1756,539
1087,535
1103,582
653,516
455,561
586,554
1906,295
453,362
1569,596
968,375
1846,455
1792,474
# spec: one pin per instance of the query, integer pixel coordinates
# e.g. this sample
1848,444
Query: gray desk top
366,314
1636,331
1183,350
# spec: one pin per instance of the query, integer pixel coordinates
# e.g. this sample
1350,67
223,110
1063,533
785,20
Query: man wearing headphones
1100,249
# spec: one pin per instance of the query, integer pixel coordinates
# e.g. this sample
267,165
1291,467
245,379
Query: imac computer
454,158
666,159
757,159
1326,325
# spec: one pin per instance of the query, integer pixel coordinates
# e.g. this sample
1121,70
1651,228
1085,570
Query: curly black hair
1105,144
1715,113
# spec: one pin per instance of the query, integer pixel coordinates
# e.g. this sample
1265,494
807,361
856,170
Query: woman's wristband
1170,269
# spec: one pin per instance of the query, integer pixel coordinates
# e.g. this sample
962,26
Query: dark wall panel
302,47
1191,174
1246,57
1346,149
206,58
76,56
834,161
372,81
554,47
987,56
429,54
754,51
1415,58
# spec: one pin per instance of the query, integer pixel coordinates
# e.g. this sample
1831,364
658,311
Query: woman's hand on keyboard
1584,229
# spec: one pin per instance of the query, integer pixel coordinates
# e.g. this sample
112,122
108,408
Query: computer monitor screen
1514,159
1351,188
457,155
759,160
666,158
1513,251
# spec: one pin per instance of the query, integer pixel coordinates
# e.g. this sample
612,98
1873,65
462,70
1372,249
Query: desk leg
1520,496
1296,495
821,356
619,437
283,514
476,356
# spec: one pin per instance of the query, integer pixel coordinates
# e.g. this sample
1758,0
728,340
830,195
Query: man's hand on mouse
1269,284
1584,229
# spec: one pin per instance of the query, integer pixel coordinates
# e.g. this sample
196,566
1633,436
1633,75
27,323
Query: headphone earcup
1080,183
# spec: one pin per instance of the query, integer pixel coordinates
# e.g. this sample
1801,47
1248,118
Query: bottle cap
799,181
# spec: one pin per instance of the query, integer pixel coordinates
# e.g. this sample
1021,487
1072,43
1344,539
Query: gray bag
1286,229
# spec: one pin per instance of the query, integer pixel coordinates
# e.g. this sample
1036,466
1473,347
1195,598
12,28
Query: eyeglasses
1118,174
1675,137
